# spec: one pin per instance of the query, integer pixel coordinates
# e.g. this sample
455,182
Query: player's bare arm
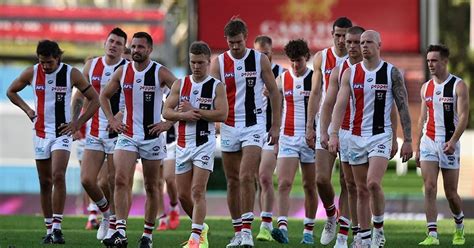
401,99
215,70
18,85
394,120
112,87
328,106
338,113
463,115
81,83
275,99
166,76
421,123
314,99
221,107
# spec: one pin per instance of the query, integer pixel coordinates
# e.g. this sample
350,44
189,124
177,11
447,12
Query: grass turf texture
26,231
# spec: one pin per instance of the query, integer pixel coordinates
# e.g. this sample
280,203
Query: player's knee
265,180
59,178
362,191
46,183
197,193
284,185
323,180
87,182
309,187
451,194
151,188
431,187
121,181
373,186
247,178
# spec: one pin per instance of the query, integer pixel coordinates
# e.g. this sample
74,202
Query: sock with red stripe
266,220
57,220
344,225
48,223
247,220
103,205
331,212
148,230
237,224
378,221
432,229
308,225
121,226
282,222
196,231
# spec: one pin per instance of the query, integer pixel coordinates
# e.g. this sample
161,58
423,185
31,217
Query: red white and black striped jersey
441,103
199,95
277,71
99,75
244,88
143,98
372,99
296,91
346,122
53,93
329,60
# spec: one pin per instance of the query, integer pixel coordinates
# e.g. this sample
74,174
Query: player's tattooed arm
401,99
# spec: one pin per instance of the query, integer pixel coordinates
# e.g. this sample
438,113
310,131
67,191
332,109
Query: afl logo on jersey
288,93
39,87
229,75
428,99
358,86
95,78
50,81
327,71
127,86
184,98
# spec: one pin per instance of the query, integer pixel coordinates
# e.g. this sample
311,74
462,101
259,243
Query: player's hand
157,128
417,158
31,114
265,92
273,135
310,137
394,148
116,125
324,140
406,152
190,115
333,143
185,106
69,128
449,147
77,135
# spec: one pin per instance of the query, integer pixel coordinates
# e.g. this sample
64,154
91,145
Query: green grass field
26,231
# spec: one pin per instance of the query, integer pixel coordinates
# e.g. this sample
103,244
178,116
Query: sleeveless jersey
277,71
202,96
372,99
346,122
441,104
52,93
329,60
143,98
296,91
99,75
244,88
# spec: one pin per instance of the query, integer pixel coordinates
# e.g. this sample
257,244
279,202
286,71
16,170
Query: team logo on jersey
50,81
138,81
370,80
148,97
39,87
249,74
438,92
228,75
256,136
250,82
239,67
380,95
108,73
205,158
156,148
381,146
288,93
379,87
59,89
148,88
65,141
195,92
446,99
447,107
358,85
204,100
